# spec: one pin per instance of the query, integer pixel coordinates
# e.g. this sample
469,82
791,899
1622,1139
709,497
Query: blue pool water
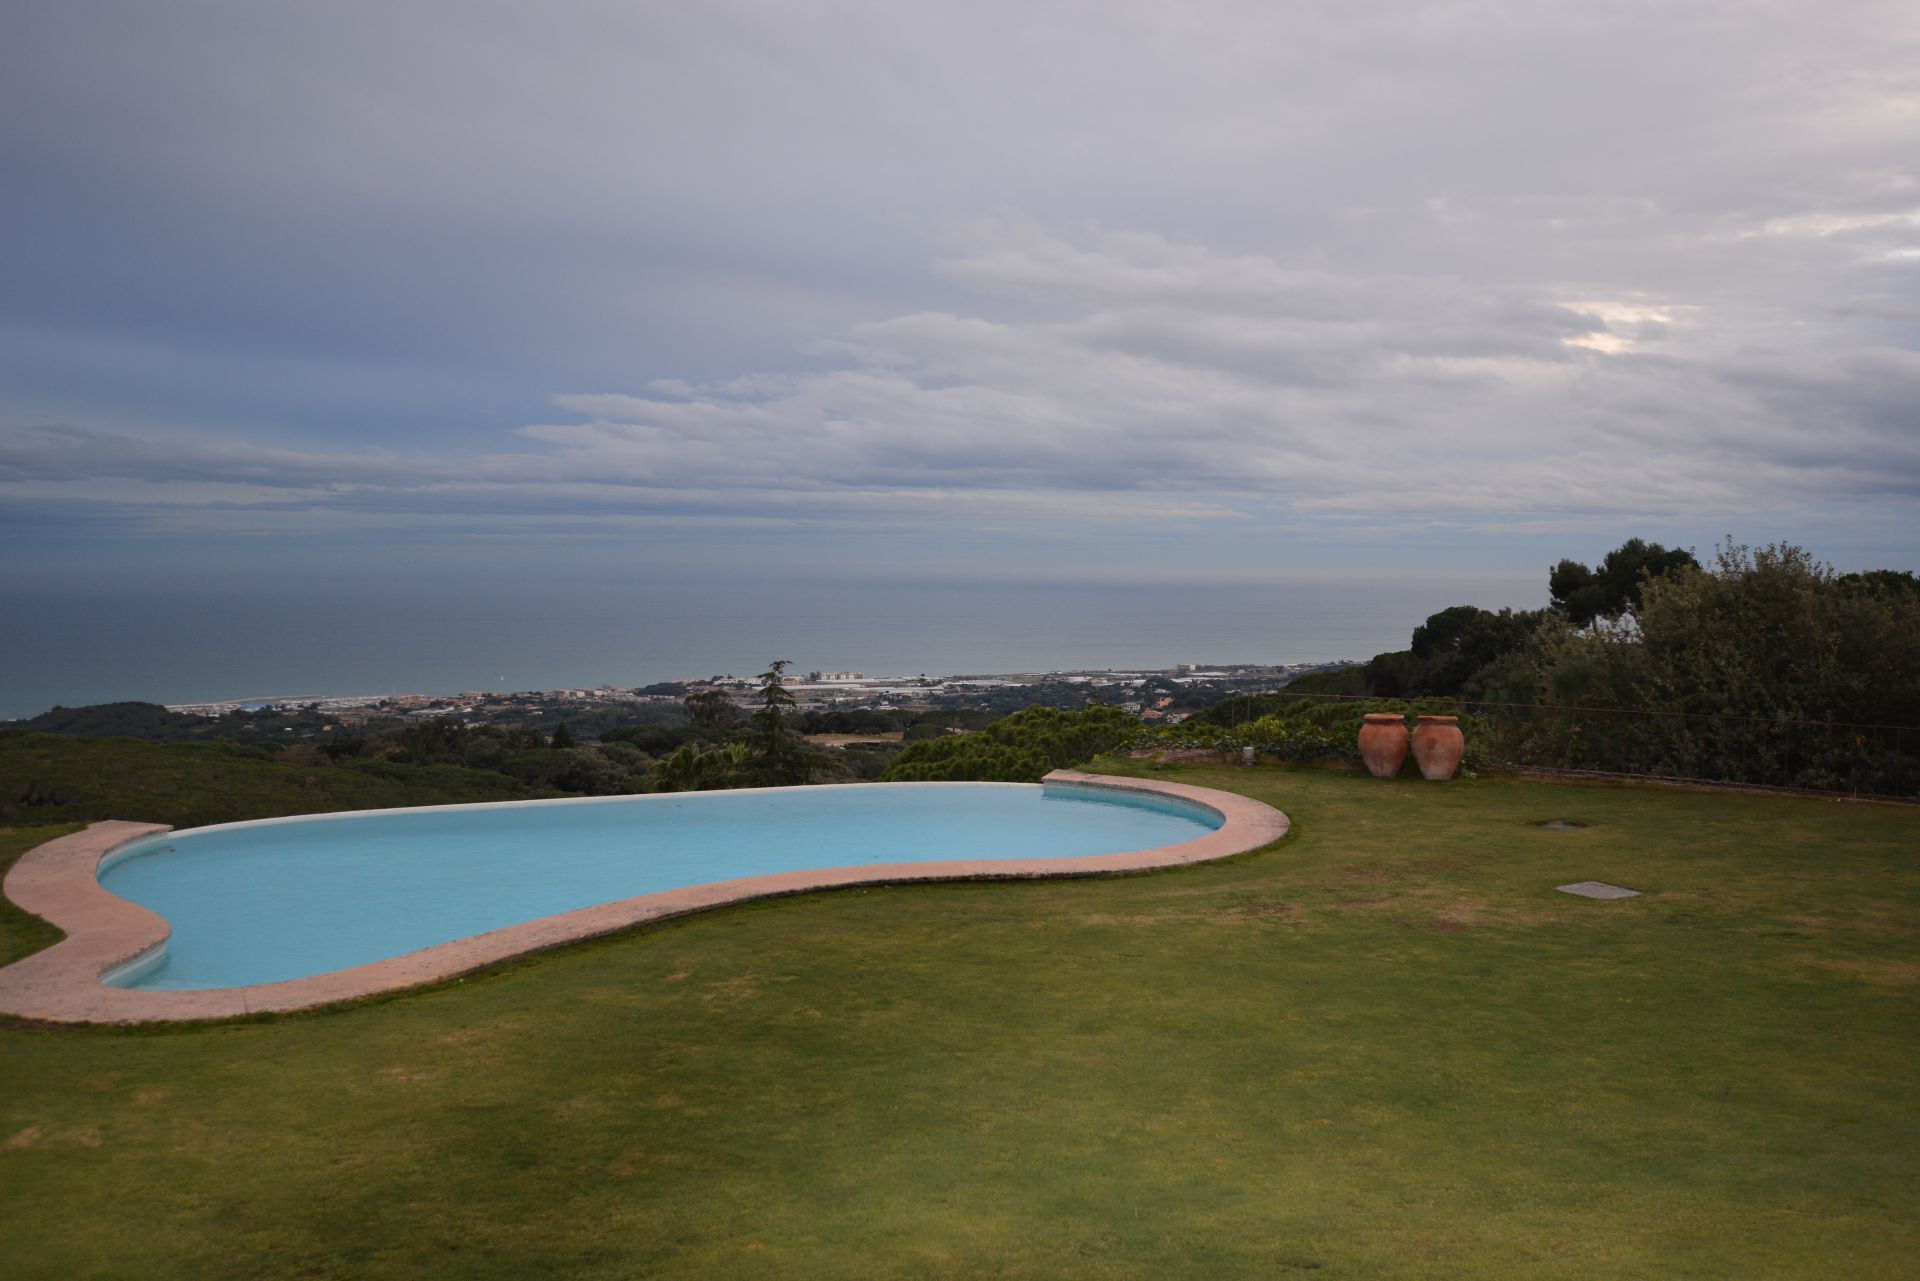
286,898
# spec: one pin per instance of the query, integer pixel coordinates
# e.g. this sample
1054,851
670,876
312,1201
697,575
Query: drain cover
1597,889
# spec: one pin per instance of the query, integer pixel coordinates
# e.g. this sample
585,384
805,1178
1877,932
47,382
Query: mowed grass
1384,1048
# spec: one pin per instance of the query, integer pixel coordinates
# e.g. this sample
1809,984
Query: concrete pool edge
59,882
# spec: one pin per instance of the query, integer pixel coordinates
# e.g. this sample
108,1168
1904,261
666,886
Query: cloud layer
1320,272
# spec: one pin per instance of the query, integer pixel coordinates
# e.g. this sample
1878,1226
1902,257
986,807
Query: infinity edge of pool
106,934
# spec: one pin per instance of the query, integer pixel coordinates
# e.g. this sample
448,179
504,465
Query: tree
1462,650
1744,660
658,740
778,754
696,767
562,737
1772,631
712,708
1887,582
1584,594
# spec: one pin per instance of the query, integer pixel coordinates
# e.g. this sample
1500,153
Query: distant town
1154,695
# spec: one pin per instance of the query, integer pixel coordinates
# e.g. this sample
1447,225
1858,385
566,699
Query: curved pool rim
106,934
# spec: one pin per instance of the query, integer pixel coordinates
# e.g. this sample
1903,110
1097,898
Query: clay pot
1383,743
1437,745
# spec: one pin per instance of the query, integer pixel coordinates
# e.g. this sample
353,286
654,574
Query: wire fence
1787,752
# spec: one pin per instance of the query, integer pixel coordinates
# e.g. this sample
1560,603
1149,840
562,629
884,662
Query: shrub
1021,748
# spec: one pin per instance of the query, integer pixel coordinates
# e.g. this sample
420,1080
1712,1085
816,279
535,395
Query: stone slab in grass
1597,889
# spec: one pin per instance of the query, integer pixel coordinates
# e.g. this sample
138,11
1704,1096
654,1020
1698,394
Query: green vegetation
1769,631
712,708
275,726
1740,663
1345,681
21,932
69,773
341,732
777,753
1016,749
698,767
148,721
769,751
658,740
1479,654
1728,671
1462,650
1893,582
566,747
1287,728
1385,1049
538,764
50,778
1582,595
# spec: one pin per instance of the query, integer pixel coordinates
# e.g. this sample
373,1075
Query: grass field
1384,1048
846,740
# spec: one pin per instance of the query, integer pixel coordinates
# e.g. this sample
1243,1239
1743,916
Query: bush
659,740
1732,672
1296,741
1301,730
1021,748
1340,680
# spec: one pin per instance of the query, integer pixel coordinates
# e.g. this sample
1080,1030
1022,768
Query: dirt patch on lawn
1141,918
35,1137
740,988
1873,924
1186,755
1446,911
481,1034
1262,912
631,1163
1881,972
1200,891
407,1074
1270,912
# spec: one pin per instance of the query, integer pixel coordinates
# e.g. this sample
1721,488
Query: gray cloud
1493,264
1168,369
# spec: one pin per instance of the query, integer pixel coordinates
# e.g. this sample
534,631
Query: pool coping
59,882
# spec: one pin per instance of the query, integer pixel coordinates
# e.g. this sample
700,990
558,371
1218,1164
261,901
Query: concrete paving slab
1597,889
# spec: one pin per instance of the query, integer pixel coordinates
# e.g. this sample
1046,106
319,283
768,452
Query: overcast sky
1202,291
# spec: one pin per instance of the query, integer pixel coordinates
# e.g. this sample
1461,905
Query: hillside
52,778
148,721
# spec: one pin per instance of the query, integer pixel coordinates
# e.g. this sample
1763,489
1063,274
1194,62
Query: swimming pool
264,902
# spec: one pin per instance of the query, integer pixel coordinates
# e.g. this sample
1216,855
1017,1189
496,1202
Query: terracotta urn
1383,743
1437,745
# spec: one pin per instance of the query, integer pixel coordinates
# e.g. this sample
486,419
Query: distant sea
61,646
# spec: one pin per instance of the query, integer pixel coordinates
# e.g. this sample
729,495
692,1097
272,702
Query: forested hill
149,721
51,778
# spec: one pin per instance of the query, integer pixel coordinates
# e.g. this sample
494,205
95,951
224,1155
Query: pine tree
781,755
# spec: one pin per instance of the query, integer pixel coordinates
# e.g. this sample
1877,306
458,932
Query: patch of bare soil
1881,972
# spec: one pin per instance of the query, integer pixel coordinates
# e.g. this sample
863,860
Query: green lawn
1384,1048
